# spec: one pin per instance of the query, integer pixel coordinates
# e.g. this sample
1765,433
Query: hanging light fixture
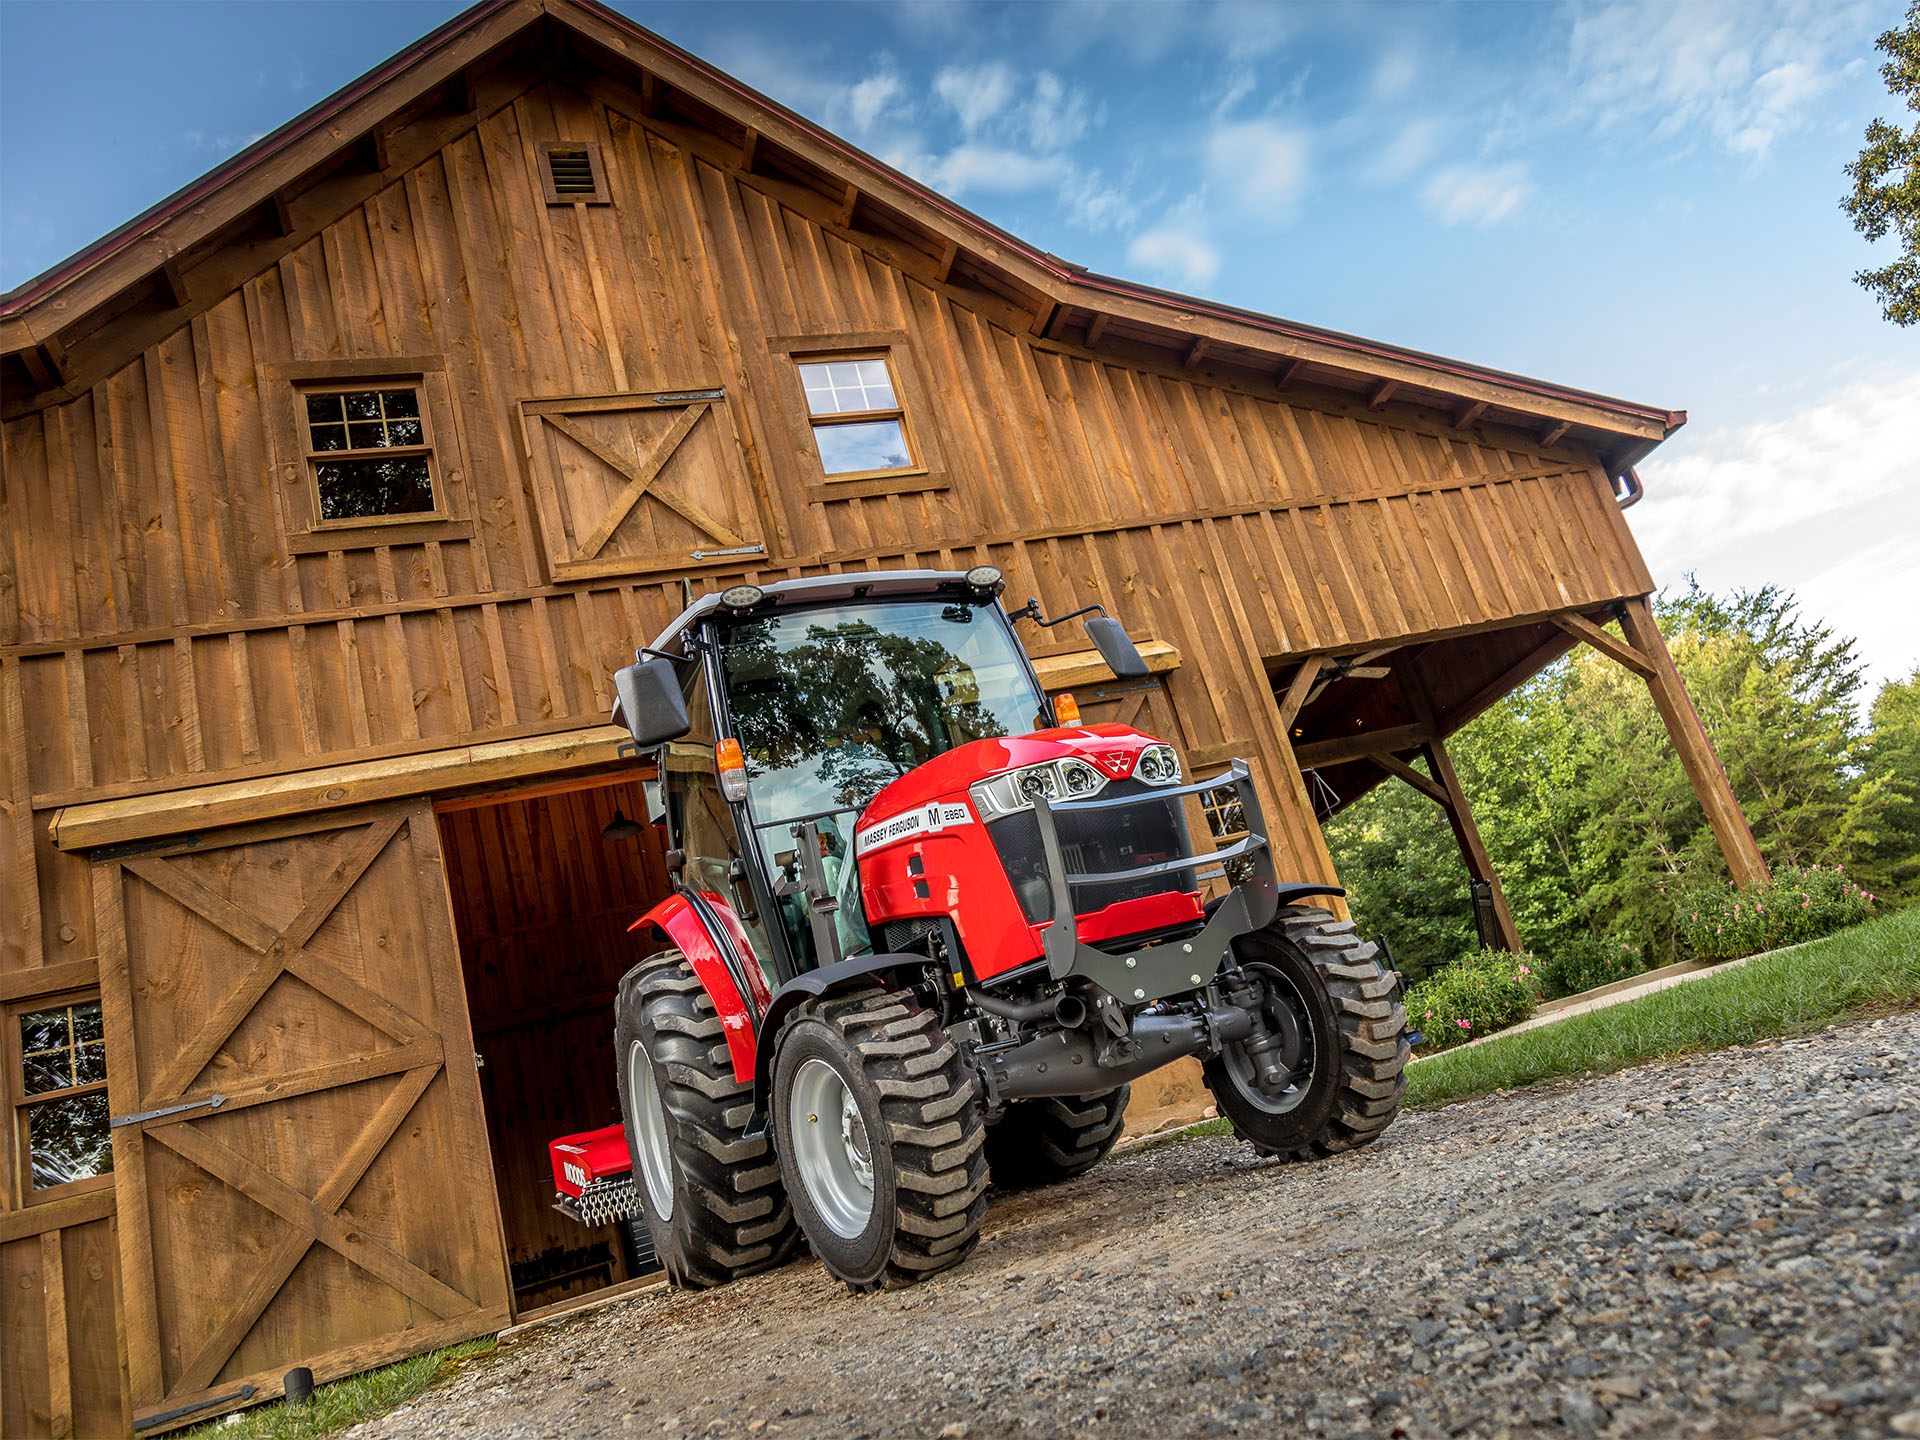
620,827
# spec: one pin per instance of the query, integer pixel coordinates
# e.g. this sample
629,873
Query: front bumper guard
1145,973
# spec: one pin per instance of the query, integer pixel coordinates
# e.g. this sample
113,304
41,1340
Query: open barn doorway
545,879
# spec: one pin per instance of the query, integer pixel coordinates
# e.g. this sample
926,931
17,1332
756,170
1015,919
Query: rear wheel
712,1199
1335,1012
881,1138
1042,1142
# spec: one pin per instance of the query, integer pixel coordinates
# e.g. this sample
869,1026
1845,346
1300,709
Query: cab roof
819,590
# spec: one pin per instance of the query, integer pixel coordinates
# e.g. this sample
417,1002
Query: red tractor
924,935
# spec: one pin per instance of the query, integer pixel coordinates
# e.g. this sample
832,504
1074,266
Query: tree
1888,857
1886,180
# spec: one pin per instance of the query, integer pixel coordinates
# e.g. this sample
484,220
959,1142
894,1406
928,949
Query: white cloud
1406,151
992,169
1737,73
1175,251
1054,116
1824,501
1479,195
869,100
1262,166
977,94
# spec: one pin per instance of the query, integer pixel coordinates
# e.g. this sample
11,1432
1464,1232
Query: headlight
1157,765
1015,791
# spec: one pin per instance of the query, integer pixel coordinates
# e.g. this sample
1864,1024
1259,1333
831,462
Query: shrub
1724,923
1586,962
1476,995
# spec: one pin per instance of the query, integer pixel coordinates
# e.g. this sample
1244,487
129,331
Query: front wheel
881,1135
1337,1030
1042,1142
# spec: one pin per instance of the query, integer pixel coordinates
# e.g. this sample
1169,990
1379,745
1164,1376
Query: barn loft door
299,1156
632,483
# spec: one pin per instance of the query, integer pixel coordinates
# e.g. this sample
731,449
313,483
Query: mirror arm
1031,611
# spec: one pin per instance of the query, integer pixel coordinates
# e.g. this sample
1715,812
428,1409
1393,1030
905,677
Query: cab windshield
832,704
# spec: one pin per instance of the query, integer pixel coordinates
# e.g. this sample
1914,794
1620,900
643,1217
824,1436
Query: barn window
571,173
62,1120
859,426
369,454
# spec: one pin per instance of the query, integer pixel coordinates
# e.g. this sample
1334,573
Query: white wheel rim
652,1154
831,1151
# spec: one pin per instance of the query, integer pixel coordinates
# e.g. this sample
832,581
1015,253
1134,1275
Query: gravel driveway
1727,1245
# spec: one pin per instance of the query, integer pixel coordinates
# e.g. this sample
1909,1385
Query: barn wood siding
159,629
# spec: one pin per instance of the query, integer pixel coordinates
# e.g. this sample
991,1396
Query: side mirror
649,702
1116,647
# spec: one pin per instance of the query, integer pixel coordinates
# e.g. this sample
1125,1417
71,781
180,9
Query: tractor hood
1110,749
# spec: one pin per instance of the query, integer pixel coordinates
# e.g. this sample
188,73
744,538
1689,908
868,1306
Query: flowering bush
1723,923
1587,962
1476,995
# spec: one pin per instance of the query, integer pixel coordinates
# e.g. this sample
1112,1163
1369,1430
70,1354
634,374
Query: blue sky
1638,198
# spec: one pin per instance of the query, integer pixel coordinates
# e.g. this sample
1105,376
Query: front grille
1092,842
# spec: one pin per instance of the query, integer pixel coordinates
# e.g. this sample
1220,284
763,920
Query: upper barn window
859,426
369,453
62,1119
571,173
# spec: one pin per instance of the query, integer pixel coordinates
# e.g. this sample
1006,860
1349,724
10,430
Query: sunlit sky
1638,198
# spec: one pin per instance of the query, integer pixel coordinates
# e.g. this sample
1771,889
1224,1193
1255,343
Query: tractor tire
881,1132
1042,1142
1348,1005
711,1198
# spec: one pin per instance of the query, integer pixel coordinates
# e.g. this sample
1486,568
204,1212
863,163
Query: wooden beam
1298,688
1362,745
749,150
1043,315
1472,848
1284,376
1697,757
1472,413
175,281
1606,644
649,93
1096,329
1383,394
39,369
1085,667
176,812
1557,433
849,202
943,271
1196,352
1393,765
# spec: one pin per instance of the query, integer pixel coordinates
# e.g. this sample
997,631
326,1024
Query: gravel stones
1722,1246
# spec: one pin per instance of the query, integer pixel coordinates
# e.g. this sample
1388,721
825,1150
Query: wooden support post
1472,848
1297,691
1604,642
1696,752
1394,765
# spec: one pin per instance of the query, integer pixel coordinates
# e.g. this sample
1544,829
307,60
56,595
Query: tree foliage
1589,818
1886,180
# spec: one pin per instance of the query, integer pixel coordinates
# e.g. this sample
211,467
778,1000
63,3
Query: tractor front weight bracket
1145,973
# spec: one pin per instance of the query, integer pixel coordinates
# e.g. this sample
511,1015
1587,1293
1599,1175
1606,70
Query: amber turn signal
1066,710
731,761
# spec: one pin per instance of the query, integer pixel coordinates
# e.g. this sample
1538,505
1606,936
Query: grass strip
344,1402
1866,970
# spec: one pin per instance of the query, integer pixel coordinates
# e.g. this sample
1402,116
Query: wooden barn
336,486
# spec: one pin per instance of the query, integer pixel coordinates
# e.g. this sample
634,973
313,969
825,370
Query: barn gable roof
65,329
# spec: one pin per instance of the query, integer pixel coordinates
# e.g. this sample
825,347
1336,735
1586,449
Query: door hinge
139,1117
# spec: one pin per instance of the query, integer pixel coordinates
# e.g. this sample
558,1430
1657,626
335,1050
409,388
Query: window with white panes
859,425
369,453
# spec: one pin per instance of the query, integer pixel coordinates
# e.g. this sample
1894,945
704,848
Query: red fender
682,924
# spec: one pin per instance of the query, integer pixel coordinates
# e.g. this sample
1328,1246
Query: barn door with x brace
300,1158
630,483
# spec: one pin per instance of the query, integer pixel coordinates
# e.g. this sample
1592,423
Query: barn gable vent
571,173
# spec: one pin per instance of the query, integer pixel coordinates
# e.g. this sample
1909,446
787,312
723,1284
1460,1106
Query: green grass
1867,970
344,1402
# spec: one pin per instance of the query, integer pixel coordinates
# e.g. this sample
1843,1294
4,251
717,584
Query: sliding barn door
299,1154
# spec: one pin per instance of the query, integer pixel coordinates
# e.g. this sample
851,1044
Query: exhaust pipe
1067,1011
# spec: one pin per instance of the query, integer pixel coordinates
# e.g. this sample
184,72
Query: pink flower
1805,903
1525,971
1758,908
1429,1014
1465,1024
